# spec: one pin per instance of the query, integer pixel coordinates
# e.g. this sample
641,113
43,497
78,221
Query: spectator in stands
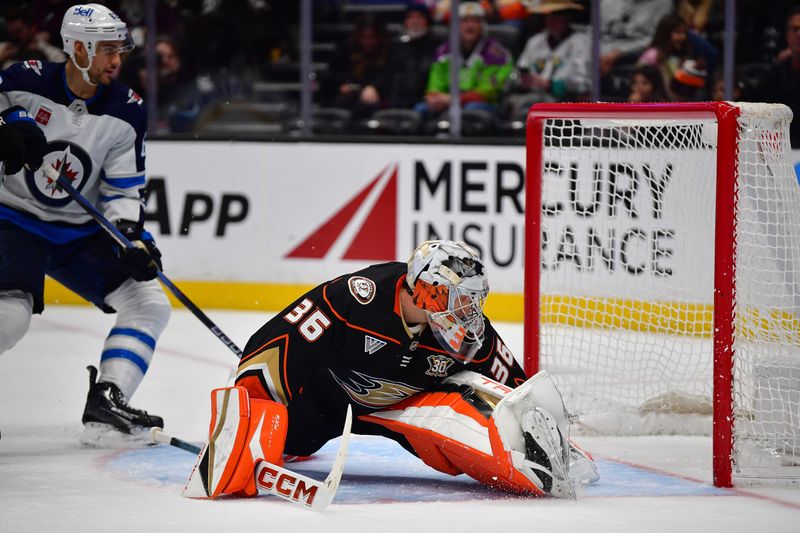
354,80
718,89
48,15
555,62
696,13
760,29
512,12
410,58
441,11
25,40
785,81
180,99
669,48
485,66
689,82
647,85
626,29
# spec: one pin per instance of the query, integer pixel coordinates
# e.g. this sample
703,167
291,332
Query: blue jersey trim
125,354
124,182
136,334
106,199
51,232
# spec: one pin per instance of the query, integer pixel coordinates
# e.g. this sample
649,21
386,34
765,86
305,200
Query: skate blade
97,435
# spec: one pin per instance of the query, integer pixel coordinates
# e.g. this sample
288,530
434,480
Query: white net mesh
767,347
627,278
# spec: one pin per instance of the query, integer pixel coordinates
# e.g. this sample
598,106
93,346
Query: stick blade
299,489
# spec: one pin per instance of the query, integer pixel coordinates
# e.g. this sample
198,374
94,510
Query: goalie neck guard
448,281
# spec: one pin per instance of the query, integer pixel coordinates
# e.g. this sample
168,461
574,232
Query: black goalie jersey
345,342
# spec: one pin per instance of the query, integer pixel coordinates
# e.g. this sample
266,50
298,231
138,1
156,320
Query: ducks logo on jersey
362,289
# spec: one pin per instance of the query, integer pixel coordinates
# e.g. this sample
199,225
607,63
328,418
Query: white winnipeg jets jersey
103,137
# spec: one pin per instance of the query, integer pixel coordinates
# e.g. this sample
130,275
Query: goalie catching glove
143,260
512,440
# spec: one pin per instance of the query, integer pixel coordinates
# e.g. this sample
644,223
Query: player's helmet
90,24
447,279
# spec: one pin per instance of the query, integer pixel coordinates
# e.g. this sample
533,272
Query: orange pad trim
266,438
417,417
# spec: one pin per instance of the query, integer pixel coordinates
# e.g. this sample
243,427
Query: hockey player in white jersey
99,124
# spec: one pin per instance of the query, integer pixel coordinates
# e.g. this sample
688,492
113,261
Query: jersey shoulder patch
32,76
363,289
125,104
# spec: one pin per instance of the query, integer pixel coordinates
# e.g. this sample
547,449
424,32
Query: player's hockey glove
143,261
21,140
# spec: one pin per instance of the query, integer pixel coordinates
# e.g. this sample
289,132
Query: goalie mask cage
662,274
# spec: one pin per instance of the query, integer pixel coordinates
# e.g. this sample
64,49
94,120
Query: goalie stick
111,229
278,481
157,435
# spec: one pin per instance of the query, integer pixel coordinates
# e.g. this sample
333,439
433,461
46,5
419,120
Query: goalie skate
582,468
545,453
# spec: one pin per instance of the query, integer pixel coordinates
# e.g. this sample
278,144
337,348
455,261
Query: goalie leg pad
242,432
533,425
450,432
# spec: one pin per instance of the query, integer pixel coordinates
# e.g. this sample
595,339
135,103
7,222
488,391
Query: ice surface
48,482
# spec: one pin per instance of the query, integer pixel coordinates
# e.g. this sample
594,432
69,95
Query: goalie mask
448,281
91,24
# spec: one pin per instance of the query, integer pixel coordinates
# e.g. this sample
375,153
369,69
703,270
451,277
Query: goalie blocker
512,440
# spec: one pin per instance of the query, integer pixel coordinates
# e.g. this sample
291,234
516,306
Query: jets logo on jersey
438,365
78,169
34,65
374,392
372,345
134,98
362,289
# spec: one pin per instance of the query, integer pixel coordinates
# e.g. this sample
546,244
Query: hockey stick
157,435
278,481
302,490
111,229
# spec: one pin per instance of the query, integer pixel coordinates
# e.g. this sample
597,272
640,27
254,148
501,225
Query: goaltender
408,347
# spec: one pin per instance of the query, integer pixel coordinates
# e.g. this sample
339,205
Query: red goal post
642,223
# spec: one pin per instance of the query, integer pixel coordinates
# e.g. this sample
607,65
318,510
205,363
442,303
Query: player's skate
108,419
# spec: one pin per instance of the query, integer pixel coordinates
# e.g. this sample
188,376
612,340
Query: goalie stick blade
301,490
196,486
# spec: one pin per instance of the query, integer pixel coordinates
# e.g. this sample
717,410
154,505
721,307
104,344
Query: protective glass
459,329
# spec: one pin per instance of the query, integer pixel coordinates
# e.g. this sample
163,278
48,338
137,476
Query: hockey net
663,274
